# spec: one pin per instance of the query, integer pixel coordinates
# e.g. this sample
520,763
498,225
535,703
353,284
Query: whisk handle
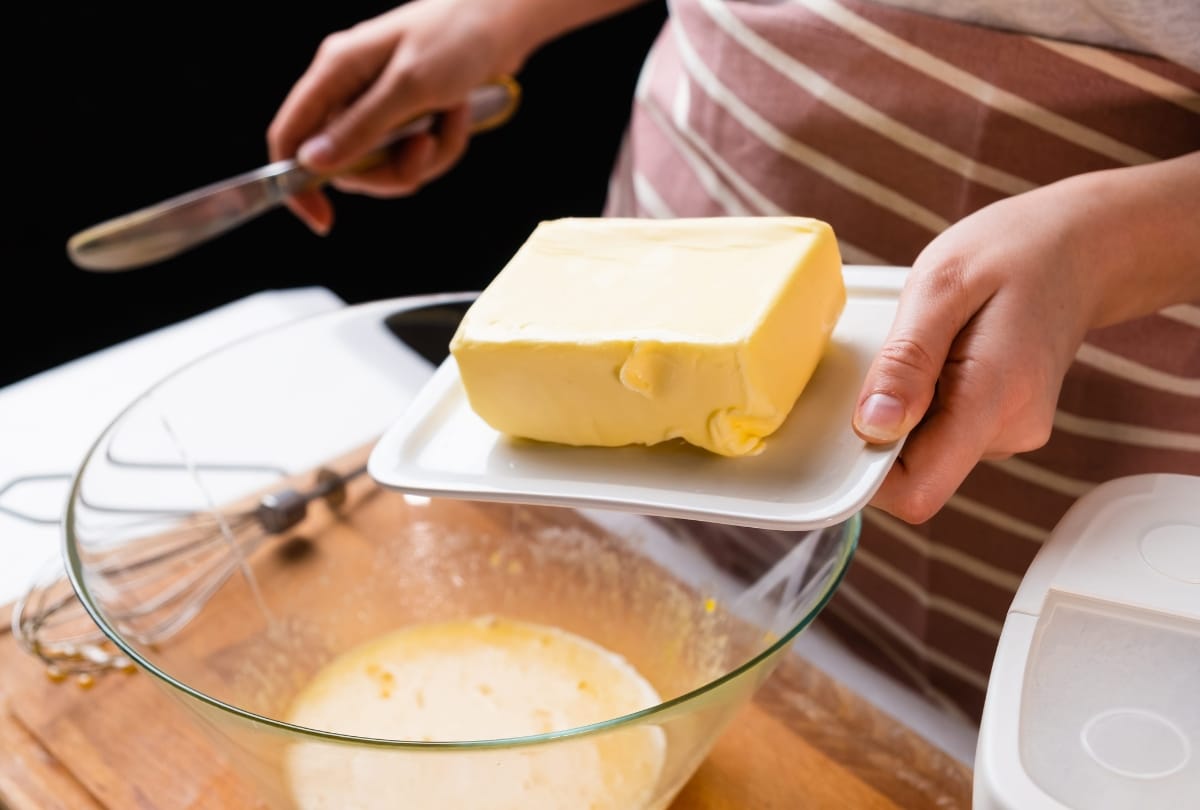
280,511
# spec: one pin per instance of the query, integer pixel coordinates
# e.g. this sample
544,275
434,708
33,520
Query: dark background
112,107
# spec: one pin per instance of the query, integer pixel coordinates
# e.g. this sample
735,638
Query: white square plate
814,471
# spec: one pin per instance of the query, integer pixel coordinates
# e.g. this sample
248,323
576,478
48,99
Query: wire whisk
165,575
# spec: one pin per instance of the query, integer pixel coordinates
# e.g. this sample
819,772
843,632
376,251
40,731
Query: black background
112,107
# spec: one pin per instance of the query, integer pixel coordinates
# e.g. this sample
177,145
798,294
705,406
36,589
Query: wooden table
805,741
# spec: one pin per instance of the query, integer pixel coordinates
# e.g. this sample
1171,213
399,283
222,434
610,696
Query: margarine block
610,332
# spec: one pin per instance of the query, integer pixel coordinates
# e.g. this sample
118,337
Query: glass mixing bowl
223,536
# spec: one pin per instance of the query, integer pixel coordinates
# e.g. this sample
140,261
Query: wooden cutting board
805,741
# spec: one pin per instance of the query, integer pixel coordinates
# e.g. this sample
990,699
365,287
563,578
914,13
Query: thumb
900,383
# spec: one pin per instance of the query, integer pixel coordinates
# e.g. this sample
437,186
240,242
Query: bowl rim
851,527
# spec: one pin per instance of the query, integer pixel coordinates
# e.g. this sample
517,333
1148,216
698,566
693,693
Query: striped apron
892,125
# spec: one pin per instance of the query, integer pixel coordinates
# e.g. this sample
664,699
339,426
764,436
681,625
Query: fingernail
316,150
880,417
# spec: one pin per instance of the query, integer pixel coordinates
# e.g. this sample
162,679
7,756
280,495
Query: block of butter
611,332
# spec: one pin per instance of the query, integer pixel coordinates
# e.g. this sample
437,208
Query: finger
401,174
314,210
936,458
934,307
423,158
336,76
366,124
997,455
453,132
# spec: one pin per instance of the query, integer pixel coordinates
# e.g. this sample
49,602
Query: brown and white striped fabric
892,125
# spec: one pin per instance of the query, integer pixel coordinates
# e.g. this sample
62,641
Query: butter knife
172,226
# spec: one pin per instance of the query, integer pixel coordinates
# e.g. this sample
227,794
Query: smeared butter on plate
477,679
611,332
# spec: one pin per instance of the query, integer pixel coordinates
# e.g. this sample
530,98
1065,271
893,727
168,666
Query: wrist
1135,234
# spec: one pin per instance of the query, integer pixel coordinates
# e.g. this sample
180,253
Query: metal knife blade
172,226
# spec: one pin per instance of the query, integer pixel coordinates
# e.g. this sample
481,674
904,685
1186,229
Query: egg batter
477,679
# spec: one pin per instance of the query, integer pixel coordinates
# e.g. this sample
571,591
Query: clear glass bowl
233,601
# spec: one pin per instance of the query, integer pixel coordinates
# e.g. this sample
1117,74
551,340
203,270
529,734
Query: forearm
1139,229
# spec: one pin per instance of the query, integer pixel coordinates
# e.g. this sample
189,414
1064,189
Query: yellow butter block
610,332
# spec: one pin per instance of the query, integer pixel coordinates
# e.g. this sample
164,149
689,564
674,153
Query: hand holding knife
168,228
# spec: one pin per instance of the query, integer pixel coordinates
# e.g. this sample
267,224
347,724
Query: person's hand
374,77
996,307
424,56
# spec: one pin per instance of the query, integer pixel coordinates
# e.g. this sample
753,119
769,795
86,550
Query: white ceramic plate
814,471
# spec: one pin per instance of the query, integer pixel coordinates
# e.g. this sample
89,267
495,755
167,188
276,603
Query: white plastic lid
1094,696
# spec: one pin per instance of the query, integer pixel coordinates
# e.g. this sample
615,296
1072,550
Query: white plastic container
1094,697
